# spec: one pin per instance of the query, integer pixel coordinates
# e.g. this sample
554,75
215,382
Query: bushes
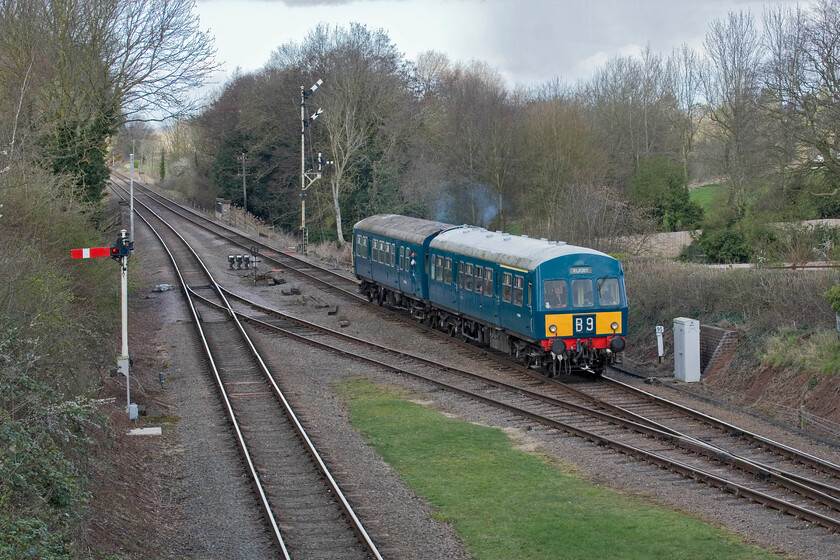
660,184
47,330
660,290
724,246
833,298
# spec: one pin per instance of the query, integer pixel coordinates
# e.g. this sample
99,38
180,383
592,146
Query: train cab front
584,324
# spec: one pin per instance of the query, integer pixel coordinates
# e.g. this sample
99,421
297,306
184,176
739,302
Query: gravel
215,510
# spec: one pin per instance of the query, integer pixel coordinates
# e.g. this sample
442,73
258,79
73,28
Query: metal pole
244,192
131,197
302,169
123,361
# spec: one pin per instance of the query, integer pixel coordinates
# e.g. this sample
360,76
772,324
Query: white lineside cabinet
687,350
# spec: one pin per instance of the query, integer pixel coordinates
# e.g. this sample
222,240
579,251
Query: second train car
552,305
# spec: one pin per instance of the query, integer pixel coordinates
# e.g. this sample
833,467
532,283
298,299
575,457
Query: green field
705,196
509,504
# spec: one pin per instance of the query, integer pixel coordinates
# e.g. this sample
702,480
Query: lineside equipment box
686,350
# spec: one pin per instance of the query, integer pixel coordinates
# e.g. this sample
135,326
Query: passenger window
393,254
468,277
555,294
402,258
447,272
518,287
439,272
479,279
608,292
506,286
582,294
461,275
488,282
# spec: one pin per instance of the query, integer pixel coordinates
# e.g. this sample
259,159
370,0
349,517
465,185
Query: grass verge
505,503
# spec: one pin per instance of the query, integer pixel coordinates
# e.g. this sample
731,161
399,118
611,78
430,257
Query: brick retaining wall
715,343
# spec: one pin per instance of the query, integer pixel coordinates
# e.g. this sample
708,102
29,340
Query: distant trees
753,109
473,137
732,83
363,110
660,186
73,71
803,82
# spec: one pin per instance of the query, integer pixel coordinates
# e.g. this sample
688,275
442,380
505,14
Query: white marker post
659,344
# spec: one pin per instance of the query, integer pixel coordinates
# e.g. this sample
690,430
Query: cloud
530,42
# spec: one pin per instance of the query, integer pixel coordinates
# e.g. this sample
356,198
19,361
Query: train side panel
392,252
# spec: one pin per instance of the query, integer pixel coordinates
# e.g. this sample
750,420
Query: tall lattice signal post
306,177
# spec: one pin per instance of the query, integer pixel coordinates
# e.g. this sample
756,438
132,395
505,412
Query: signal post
119,251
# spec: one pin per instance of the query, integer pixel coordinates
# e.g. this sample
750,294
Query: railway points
349,295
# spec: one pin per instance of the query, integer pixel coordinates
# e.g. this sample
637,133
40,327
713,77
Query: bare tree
732,82
79,69
429,71
804,77
156,56
363,100
629,106
475,137
683,83
365,79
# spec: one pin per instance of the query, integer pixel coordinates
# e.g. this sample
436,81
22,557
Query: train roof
404,228
511,250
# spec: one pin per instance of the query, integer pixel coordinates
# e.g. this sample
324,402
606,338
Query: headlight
552,329
614,326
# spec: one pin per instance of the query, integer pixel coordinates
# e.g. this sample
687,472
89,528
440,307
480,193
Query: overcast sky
529,41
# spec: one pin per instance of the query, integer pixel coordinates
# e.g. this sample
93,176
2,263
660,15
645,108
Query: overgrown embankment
789,350
57,317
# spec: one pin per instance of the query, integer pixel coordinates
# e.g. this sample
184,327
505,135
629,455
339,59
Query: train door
496,293
529,302
449,282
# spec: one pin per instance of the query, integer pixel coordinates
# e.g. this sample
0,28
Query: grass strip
506,503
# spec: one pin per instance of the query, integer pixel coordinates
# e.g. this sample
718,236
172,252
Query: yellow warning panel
582,324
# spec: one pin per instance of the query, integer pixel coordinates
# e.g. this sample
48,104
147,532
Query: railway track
818,501
284,260
304,508
615,415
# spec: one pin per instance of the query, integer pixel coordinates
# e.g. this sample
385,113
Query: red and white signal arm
90,252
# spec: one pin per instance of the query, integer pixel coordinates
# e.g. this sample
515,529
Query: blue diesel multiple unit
550,304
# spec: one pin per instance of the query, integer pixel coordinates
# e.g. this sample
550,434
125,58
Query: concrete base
145,432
